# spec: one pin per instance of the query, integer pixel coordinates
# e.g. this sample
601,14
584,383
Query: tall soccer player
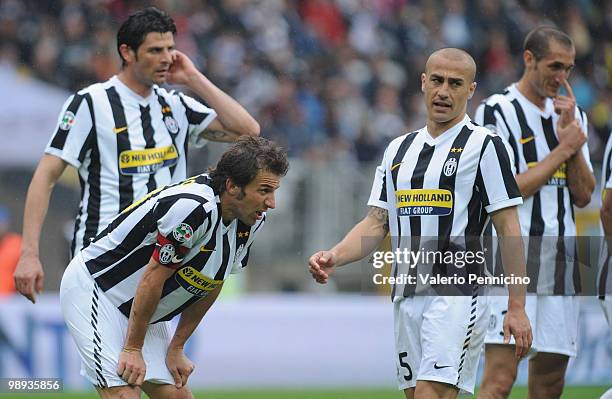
127,136
444,181
547,134
167,254
604,279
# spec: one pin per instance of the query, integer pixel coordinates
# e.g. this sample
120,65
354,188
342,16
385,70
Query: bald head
458,57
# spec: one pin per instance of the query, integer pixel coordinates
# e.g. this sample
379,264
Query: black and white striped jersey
604,277
124,146
442,189
180,226
531,133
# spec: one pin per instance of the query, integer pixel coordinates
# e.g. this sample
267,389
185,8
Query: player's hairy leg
435,390
122,392
547,375
166,391
500,370
409,393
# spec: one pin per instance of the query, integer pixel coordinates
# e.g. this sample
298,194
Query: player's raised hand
131,367
29,276
182,69
179,365
565,106
321,265
516,323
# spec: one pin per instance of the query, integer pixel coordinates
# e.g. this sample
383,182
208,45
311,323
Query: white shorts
606,305
439,338
553,319
99,330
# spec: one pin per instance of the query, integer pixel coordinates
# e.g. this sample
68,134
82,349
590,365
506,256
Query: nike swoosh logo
203,249
119,129
439,367
396,165
526,140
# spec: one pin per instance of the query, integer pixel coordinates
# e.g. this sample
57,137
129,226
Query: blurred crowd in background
329,79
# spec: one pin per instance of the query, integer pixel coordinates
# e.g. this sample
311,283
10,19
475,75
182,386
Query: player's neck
435,129
128,79
525,87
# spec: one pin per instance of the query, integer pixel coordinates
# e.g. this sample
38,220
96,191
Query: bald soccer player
436,188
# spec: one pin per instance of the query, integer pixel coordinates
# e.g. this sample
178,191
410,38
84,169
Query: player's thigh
409,393
435,390
122,392
166,391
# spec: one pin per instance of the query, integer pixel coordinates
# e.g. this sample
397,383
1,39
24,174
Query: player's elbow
582,198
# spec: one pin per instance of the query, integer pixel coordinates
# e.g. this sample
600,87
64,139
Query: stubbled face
151,62
547,74
447,86
256,197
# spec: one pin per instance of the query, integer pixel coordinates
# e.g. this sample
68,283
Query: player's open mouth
259,214
441,104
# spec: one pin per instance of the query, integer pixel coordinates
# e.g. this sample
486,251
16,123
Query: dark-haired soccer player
547,134
127,136
167,254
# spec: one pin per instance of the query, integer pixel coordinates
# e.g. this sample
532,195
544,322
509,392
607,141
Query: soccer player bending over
442,181
167,254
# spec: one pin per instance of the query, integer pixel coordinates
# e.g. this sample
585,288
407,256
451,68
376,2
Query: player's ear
528,58
127,53
231,187
423,77
472,90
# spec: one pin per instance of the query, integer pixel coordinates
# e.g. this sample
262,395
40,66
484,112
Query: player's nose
270,202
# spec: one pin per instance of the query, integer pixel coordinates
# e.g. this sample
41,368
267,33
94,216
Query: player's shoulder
480,134
503,98
397,142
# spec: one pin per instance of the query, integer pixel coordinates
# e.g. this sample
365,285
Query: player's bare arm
232,119
363,238
131,365
177,362
516,323
29,272
580,179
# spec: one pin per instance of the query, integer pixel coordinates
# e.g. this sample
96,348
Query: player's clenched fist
131,367
321,265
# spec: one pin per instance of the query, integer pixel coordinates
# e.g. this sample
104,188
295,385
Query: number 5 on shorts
402,355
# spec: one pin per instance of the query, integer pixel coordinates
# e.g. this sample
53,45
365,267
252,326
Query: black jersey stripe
527,135
178,310
226,253
603,278
166,115
416,182
193,117
447,182
147,131
93,180
126,189
129,265
59,140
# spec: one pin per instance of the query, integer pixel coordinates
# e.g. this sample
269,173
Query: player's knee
183,393
551,388
498,385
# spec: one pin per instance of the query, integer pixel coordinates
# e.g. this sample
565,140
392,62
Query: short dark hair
245,158
538,40
134,30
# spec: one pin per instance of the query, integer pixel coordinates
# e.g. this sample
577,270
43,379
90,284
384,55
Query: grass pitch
589,392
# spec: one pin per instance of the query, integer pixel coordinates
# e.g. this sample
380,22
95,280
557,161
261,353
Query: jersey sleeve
584,123
199,116
70,140
495,180
378,193
180,225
